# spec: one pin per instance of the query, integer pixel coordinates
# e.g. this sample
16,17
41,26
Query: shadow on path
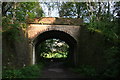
57,70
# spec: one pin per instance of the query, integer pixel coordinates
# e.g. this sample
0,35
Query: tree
14,24
53,48
16,14
103,18
22,10
66,10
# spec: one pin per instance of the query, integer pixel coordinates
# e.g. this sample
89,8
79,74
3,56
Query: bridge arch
58,35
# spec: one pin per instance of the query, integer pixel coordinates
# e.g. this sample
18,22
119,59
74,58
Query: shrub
33,71
12,74
86,70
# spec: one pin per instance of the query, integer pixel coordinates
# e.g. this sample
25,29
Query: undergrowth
33,71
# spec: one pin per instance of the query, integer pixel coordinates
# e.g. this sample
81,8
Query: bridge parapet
56,21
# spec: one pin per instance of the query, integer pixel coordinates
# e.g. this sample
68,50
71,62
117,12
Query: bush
113,62
12,74
86,70
33,71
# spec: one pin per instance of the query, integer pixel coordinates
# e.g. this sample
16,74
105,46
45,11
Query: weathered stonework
86,48
56,21
36,29
42,25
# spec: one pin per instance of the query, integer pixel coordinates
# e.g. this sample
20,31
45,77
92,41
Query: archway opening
53,51
55,46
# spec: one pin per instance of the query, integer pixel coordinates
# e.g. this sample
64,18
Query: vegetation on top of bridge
56,21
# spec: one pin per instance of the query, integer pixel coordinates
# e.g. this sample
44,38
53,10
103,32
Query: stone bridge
85,48
61,28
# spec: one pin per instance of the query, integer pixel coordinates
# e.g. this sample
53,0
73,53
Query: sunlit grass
54,55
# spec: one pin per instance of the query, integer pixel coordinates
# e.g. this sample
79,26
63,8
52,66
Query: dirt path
56,70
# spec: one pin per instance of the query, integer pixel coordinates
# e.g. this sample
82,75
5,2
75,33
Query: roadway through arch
58,35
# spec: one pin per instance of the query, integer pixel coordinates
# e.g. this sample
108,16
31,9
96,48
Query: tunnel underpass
60,36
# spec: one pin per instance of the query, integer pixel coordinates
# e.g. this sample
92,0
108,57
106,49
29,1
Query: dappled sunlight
48,20
53,48
54,55
96,30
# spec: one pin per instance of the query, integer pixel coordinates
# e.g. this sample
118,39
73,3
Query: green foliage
67,10
33,71
73,9
23,10
113,62
11,30
54,55
12,74
111,54
16,15
29,9
86,70
107,28
112,72
53,48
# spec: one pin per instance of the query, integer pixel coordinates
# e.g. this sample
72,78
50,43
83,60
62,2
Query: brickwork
36,29
42,25
88,46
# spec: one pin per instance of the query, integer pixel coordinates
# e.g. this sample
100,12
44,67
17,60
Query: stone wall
15,51
34,30
91,46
